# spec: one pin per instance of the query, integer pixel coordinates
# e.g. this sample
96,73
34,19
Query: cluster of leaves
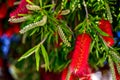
83,17
48,36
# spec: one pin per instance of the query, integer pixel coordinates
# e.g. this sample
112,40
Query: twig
53,2
86,10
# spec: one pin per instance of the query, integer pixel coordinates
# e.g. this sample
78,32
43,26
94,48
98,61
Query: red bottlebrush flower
70,55
1,62
116,73
79,64
64,74
10,3
106,27
88,75
21,9
9,32
1,30
16,28
57,43
59,17
3,10
86,78
46,75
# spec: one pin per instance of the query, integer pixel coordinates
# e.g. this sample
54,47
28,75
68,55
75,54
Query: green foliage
37,57
65,20
27,54
45,56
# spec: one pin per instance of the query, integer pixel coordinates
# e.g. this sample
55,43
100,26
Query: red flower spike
21,9
1,30
10,3
1,62
16,28
79,64
116,73
70,54
87,76
3,10
64,74
9,32
59,16
57,44
106,27
46,75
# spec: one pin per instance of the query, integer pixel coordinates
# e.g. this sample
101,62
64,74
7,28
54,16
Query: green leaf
30,2
37,57
27,54
38,17
40,2
60,67
80,25
45,56
99,30
97,54
33,32
101,61
92,45
49,38
53,19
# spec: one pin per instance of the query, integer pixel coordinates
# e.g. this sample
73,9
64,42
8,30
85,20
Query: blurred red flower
3,10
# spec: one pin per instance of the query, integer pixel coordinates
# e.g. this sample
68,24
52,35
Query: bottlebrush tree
77,36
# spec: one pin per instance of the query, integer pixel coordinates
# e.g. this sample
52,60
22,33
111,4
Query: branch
86,10
53,2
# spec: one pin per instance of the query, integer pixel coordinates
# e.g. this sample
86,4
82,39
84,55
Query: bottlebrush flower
116,73
1,30
79,64
9,32
106,27
21,9
1,62
15,27
46,75
59,17
10,3
57,43
3,10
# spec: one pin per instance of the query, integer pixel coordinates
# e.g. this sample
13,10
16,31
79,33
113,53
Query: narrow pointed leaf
99,30
27,54
37,57
45,56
